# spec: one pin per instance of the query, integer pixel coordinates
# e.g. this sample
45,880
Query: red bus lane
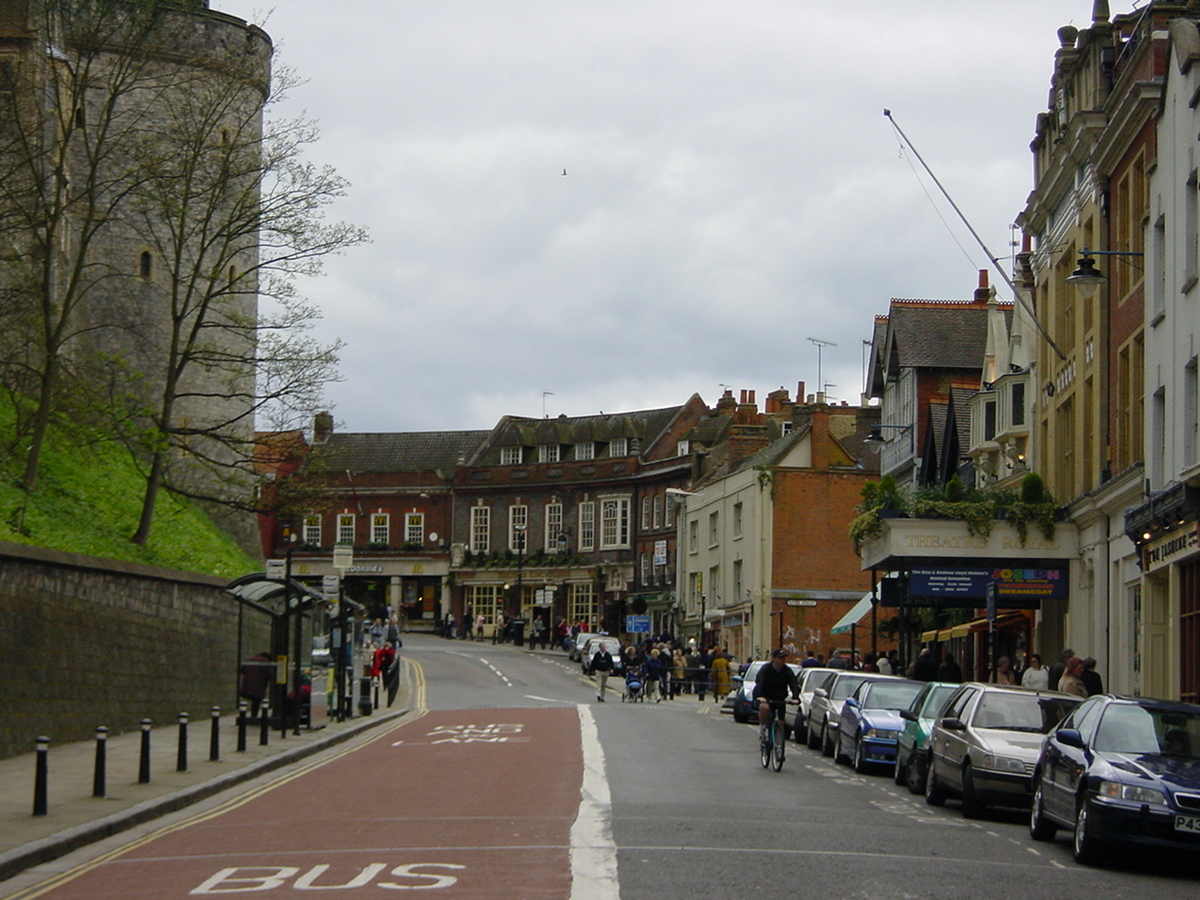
466,804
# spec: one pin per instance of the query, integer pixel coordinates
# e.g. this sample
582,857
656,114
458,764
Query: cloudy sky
732,189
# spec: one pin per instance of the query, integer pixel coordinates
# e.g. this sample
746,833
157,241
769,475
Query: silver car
796,715
984,747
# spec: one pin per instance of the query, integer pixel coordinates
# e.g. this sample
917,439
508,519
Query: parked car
1121,772
984,746
590,648
870,722
744,707
912,749
575,654
796,716
825,711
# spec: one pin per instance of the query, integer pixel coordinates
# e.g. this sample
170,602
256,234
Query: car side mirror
738,679
908,715
1069,736
820,692
951,723
851,703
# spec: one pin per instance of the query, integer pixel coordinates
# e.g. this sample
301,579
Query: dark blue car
1121,772
870,724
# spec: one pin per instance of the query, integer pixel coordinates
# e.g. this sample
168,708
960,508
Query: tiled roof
416,451
938,334
641,427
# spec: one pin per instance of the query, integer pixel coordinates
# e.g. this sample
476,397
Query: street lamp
1086,276
875,435
519,540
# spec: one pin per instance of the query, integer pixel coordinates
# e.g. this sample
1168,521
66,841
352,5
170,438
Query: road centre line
593,850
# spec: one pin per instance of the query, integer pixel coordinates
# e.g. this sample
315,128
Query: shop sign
1016,587
1171,547
660,553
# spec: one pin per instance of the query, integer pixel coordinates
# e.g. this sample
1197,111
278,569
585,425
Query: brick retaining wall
87,642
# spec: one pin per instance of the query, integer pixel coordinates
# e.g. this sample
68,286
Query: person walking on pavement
1071,682
950,671
256,678
480,621
602,666
925,668
1036,675
720,676
1056,670
1091,680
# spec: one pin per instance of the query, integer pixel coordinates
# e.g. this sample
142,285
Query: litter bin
518,631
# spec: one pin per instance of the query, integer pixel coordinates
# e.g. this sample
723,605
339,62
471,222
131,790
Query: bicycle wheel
777,739
764,746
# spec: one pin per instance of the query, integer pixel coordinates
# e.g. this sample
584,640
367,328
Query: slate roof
413,451
641,427
938,334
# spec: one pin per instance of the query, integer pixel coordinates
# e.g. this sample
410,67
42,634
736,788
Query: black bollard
98,774
181,756
241,726
214,740
376,682
144,760
264,734
40,790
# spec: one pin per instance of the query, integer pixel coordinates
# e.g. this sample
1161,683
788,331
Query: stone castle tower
129,137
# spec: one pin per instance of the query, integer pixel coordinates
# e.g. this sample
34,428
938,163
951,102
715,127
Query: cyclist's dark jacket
775,685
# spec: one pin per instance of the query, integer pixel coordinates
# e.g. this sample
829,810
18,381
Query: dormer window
683,448
548,453
618,447
586,450
510,456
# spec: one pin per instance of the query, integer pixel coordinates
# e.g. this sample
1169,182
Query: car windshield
1140,730
845,686
1013,711
937,699
889,695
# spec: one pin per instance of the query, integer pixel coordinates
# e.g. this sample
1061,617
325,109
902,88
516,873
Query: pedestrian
884,665
1036,675
386,668
810,661
719,671
1004,673
950,671
1056,670
678,672
537,634
654,673
377,632
837,660
1091,680
602,666
480,622
393,632
925,668
467,625
256,678
1070,682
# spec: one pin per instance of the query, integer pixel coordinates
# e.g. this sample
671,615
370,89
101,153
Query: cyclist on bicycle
771,687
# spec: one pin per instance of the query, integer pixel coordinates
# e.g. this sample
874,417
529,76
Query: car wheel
738,716
972,808
860,761
1040,828
814,740
916,773
934,794
827,747
1088,851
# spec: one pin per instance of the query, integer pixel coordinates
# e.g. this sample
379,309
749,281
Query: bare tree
164,199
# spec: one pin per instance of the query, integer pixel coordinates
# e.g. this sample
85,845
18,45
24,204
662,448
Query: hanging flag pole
1017,294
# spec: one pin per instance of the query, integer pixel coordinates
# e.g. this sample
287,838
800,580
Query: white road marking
593,851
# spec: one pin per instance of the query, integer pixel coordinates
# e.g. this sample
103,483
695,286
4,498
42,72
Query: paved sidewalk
76,818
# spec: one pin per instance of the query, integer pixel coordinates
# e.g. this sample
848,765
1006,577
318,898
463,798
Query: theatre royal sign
909,540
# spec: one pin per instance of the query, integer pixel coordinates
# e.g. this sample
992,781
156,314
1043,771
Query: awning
975,625
860,609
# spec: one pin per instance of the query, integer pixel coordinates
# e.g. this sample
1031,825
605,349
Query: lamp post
1086,276
519,540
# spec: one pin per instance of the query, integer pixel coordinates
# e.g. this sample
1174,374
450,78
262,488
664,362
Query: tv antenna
821,345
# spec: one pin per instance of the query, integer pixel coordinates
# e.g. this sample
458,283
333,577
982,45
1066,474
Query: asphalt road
477,793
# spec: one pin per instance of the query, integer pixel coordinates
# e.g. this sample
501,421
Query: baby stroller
634,686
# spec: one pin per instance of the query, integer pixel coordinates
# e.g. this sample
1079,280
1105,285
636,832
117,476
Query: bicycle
771,743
